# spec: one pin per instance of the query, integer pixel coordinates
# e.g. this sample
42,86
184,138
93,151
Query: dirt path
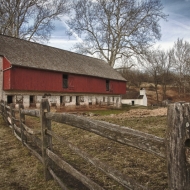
19,170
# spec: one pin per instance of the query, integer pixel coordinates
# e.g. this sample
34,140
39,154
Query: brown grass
143,167
19,169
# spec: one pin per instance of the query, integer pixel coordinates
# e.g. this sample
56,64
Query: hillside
171,94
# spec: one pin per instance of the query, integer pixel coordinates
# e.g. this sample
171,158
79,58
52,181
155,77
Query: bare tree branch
181,53
30,19
112,29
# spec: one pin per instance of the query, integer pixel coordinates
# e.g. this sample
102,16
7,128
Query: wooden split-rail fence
175,148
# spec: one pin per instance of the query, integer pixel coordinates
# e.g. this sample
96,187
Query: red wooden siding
6,63
27,79
6,74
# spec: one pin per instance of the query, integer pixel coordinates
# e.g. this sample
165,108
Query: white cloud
73,33
60,39
177,26
61,43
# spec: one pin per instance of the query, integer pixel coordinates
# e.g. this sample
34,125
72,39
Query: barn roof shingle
132,95
29,54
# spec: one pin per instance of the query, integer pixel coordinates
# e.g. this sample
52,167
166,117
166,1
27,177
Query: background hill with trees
164,74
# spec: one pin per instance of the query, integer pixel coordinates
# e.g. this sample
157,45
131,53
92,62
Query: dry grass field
19,169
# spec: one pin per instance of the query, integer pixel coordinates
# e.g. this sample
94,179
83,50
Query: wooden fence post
22,120
46,139
5,112
178,146
2,103
12,106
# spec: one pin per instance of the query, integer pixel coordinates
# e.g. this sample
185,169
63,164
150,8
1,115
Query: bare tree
165,60
30,19
181,53
112,29
134,77
153,68
159,65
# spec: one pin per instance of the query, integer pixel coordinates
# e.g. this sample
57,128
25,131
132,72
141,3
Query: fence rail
175,153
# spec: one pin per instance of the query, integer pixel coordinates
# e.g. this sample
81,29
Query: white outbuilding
135,98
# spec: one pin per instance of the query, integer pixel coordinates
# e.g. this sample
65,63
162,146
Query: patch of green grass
124,108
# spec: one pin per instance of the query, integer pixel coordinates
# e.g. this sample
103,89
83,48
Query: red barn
30,71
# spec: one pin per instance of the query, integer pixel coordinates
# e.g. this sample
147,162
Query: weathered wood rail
175,148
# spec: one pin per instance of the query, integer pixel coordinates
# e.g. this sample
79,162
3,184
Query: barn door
77,100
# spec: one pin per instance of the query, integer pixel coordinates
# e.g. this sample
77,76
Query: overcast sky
176,26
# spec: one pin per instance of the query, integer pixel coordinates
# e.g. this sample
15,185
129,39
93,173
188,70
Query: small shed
135,98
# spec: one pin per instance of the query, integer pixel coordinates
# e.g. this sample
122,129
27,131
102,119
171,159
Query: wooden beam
46,139
178,146
34,113
121,134
69,169
34,152
17,136
12,106
62,185
17,128
31,131
108,170
22,120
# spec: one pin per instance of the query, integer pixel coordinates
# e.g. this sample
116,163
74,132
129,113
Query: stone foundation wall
30,99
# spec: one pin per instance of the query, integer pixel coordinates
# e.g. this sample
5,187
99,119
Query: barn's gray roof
132,95
29,54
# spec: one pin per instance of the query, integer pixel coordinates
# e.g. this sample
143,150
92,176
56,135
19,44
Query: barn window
65,81
82,99
107,85
19,99
90,100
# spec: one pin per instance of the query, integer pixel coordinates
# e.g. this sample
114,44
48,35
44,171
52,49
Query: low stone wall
63,100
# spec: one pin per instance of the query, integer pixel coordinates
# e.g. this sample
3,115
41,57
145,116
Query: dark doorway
133,103
77,100
32,99
62,100
9,99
